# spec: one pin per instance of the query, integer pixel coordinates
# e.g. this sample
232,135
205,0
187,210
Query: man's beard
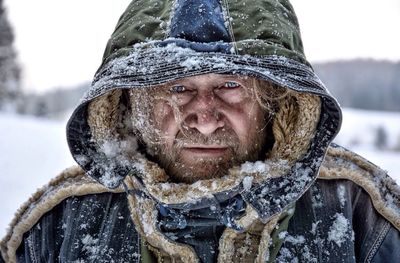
179,170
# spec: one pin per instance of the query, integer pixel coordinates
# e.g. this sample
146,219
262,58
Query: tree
9,70
381,138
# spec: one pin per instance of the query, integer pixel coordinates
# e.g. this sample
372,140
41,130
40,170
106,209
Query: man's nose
203,114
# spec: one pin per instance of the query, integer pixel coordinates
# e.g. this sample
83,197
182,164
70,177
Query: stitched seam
318,233
31,249
377,243
171,16
139,249
228,19
356,199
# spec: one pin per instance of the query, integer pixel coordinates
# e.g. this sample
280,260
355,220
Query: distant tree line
52,104
9,69
363,84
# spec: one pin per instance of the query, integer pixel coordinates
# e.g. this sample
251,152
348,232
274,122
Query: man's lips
205,149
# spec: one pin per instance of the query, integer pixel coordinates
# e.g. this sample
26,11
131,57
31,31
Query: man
205,137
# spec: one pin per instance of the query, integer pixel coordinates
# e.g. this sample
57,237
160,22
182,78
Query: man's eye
177,89
231,85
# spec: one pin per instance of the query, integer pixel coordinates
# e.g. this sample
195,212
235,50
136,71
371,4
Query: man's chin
189,173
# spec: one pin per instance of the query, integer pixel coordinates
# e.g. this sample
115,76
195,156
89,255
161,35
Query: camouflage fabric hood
160,41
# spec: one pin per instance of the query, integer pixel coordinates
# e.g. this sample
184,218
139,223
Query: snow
295,239
359,128
359,131
257,167
34,150
90,246
247,182
340,230
314,227
341,191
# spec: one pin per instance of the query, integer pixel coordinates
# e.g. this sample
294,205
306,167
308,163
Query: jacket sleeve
388,250
89,228
377,240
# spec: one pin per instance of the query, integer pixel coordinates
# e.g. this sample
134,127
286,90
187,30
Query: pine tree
381,138
9,70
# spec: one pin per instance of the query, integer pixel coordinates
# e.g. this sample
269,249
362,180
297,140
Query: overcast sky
61,42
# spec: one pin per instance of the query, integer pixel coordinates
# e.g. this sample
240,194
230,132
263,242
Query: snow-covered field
35,150
32,151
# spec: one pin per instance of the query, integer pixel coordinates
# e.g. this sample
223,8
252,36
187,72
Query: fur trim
71,182
295,125
383,190
157,185
103,116
263,249
227,247
252,245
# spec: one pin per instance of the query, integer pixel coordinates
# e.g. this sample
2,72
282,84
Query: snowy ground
32,152
35,150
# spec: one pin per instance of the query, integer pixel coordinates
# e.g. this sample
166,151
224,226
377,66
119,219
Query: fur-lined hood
160,41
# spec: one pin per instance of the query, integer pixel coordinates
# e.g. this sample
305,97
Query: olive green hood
160,41
258,28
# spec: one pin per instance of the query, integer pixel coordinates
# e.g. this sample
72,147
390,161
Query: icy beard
180,170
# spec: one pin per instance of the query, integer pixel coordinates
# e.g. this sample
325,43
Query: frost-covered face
203,125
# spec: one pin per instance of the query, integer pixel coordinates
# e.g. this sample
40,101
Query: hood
160,41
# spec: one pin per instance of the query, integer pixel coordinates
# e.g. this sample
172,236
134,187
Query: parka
309,200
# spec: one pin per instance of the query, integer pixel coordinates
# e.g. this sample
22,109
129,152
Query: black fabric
386,252
314,220
201,228
199,21
98,228
82,146
92,228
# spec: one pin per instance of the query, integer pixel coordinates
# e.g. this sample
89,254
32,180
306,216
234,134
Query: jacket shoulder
71,182
341,163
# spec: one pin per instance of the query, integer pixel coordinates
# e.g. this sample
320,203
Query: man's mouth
206,150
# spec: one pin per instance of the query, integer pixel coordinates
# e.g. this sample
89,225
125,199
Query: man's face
205,125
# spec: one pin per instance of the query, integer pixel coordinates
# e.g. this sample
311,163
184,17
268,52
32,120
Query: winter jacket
347,215
308,201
